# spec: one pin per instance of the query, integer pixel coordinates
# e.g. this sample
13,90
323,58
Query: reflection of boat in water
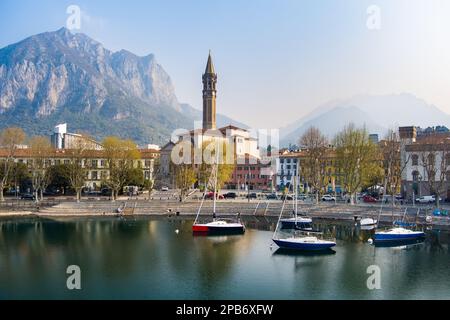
288,252
217,226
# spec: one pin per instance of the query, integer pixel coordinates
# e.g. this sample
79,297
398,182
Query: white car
165,189
328,197
427,199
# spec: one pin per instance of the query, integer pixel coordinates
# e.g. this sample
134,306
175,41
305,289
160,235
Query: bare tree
41,153
10,139
315,162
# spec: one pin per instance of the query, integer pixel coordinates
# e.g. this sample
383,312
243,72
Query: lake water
145,258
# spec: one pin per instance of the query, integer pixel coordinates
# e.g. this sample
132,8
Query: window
94,175
415,160
94,163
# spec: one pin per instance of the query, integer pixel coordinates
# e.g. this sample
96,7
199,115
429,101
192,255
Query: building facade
426,161
251,173
95,162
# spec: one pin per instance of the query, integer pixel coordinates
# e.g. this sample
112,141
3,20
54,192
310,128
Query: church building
239,140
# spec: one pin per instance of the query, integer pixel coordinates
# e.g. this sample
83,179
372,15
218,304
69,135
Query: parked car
27,196
369,199
427,199
210,195
230,195
106,192
272,196
328,197
164,188
251,196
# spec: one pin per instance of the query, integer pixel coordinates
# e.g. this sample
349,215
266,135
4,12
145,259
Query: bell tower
209,95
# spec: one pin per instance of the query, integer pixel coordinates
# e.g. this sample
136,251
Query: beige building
96,162
426,159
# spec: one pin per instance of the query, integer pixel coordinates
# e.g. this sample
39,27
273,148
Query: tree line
358,162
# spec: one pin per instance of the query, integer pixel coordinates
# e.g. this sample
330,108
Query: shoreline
269,209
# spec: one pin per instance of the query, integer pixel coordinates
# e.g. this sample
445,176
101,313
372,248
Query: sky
276,60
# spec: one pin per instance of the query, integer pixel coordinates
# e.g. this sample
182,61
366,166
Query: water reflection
142,258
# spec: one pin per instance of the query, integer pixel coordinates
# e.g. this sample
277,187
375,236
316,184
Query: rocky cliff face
59,69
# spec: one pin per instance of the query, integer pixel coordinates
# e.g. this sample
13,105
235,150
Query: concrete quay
168,208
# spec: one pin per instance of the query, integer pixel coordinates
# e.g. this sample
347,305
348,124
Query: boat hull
303,246
383,237
205,229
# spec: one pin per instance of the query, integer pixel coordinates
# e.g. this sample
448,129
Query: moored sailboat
301,239
399,232
217,225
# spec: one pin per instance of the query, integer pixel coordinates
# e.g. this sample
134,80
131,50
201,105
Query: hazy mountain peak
377,112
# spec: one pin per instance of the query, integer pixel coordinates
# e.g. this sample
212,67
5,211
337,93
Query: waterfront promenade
170,207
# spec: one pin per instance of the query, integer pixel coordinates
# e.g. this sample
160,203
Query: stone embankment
338,212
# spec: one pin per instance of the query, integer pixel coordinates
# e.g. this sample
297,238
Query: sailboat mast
216,169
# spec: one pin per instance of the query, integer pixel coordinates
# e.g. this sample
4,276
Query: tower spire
209,65
209,95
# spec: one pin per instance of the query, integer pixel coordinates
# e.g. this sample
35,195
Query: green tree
19,175
185,177
215,153
120,156
59,177
355,156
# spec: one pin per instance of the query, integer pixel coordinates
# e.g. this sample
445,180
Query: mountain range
377,113
60,76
